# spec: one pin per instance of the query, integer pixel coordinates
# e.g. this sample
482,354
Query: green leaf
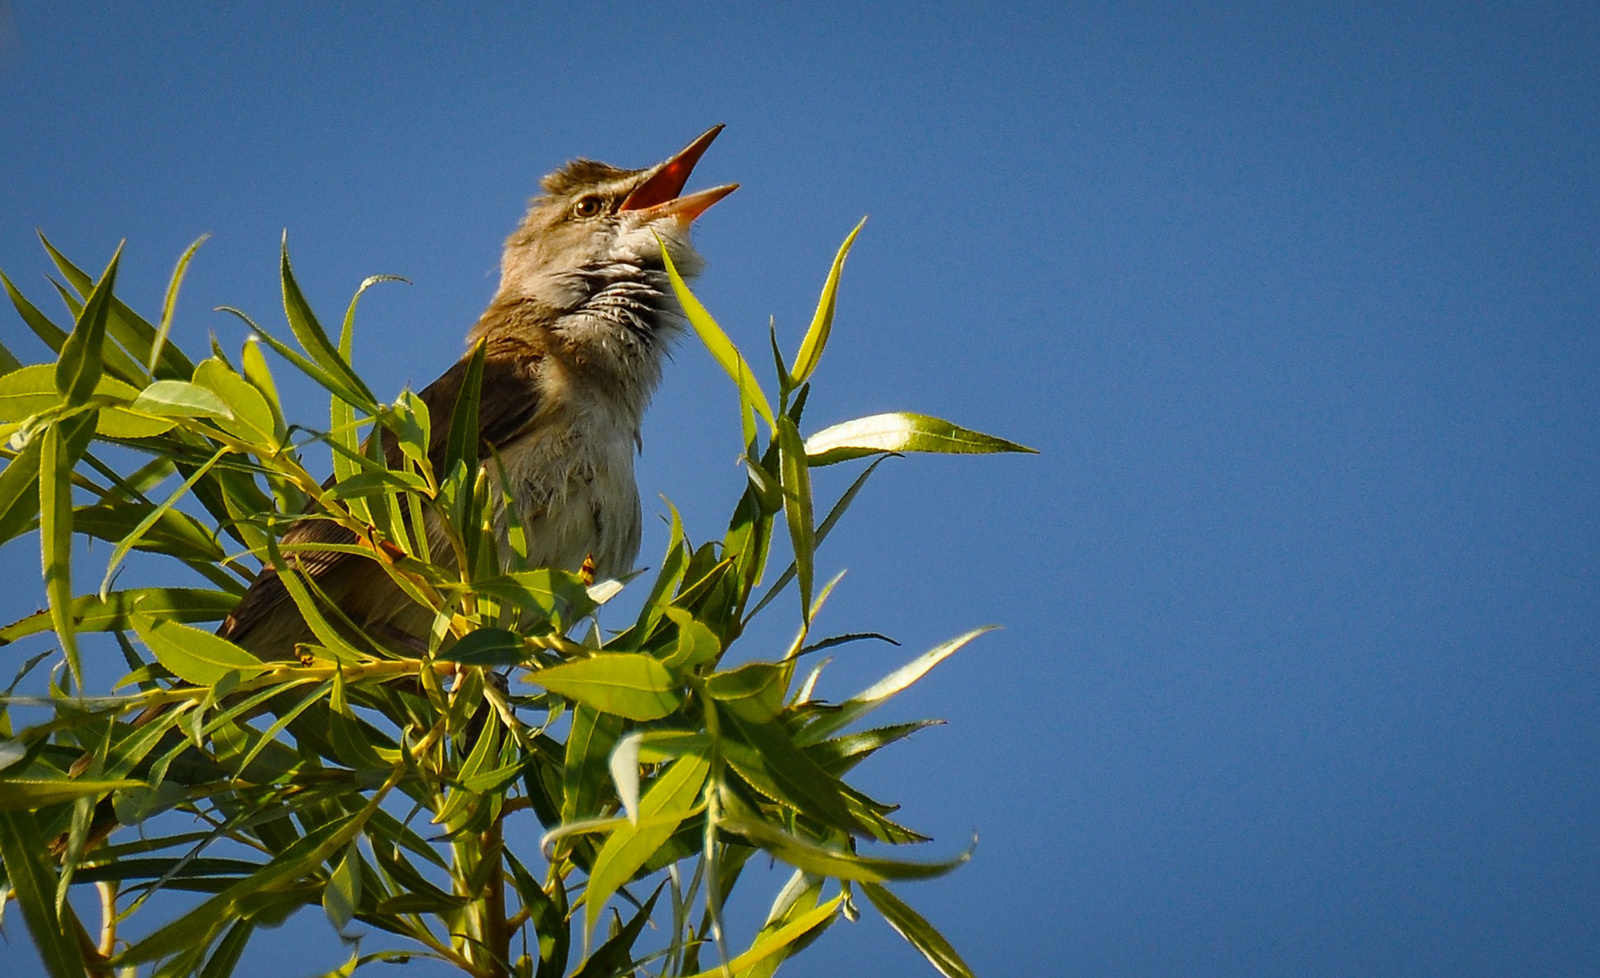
174,532
165,361
661,811
583,775
124,326
342,895
180,399
312,337
259,375
249,416
922,935
63,444
33,882
778,940
80,364
722,349
614,958
695,643
878,693
629,684
797,508
486,647
765,756
193,655
835,863
901,431
754,691
226,957
822,321
19,492
27,794
52,335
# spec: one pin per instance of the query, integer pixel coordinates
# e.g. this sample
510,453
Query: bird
573,343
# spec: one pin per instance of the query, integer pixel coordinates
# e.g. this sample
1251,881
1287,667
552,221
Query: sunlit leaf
79,367
901,431
628,684
197,656
662,809
180,399
822,320
722,349
878,693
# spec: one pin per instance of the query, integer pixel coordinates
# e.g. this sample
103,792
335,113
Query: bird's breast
571,480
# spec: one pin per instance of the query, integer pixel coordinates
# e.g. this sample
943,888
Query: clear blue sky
1302,307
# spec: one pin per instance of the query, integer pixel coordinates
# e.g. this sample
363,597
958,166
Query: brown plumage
574,340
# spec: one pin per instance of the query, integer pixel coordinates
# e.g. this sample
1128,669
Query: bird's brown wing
507,403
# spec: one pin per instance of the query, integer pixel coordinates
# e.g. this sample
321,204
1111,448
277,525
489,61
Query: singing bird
573,342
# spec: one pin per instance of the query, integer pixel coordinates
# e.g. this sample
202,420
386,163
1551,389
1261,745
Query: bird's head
593,218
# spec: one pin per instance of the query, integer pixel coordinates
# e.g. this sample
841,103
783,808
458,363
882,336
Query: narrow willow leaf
874,696
226,957
19,492
629,684
347,331
661,811
614,958
28,794
798,897
259,374
835,863
80,364
8,361
33,882
63,444
901,431
342,895
174,366
778,940
193,655
797,508
52,335
303,856
822,320
312,337
588,747
722,349
918,932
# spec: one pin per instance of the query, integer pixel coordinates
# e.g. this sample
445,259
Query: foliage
381,783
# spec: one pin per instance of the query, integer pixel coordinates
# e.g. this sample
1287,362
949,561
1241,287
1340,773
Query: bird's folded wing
508,401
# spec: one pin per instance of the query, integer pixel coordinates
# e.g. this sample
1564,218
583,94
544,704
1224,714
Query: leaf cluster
391,782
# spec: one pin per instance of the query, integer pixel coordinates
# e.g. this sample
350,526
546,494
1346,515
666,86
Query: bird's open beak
659,193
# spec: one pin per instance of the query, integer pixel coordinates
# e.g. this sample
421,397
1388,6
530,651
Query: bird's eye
588,206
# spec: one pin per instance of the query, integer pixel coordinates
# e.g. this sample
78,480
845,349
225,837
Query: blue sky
1300,305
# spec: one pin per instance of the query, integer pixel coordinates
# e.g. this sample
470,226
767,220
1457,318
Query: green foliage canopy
379,782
